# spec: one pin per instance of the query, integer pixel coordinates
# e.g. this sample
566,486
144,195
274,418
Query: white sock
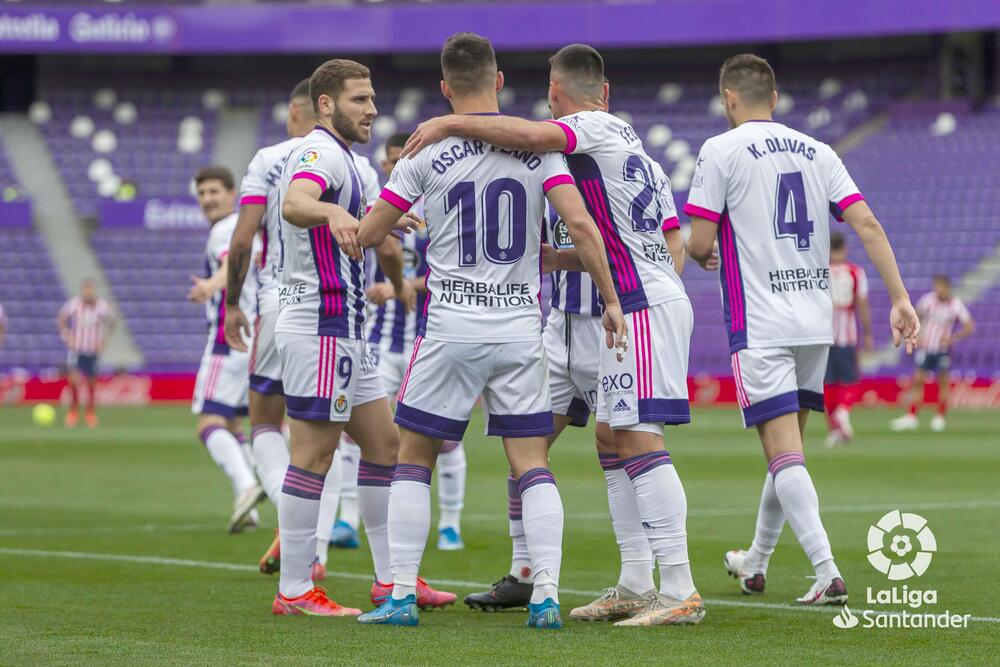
770,521
270,455
520,560
327,510
297,514
225,450
373,497
795,490
637,560
350,457
451,467
409,523
662,507
543,526
246,448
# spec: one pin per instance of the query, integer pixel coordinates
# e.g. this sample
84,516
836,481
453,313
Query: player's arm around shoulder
504,131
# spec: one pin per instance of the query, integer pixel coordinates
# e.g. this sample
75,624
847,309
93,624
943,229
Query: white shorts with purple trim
444,379
649,386
776,381
325,377
391,366
571,343
265,364
222,382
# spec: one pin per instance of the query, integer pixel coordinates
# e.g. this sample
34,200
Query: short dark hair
398,140
942,278
837,241
749,76
468,63
329,78
215,173
582,66
301,89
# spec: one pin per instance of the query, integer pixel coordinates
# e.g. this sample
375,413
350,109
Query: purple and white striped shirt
322,289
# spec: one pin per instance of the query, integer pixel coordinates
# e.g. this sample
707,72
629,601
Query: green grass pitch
91,520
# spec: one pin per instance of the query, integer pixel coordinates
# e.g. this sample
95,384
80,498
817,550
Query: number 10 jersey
484,207
771,189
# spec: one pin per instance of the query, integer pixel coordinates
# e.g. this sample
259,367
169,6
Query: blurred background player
390,337
259,213
629,195
220,392
84,322
778,312
939,311
3,324
849,292
482,333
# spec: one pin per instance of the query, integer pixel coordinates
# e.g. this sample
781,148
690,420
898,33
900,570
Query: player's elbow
291,211
699,249
368,238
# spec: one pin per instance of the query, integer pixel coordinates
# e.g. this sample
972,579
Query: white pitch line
110,530
752,511
473,585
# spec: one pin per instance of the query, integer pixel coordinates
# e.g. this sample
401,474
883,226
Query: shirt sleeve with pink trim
707,198
322,163
961,311
253,187
406,184
583,131
842,191
554,171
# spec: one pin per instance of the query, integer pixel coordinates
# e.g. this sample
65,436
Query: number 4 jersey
484,207
769,188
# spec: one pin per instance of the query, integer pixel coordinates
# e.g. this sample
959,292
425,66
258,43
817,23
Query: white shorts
222,383
444,379
265,364
649,386
325,376
571,343
775,381
391,366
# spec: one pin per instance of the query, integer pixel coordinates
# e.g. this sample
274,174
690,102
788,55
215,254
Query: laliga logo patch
340,405
901,545
309,157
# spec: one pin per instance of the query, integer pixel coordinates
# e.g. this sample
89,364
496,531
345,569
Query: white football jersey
216,249
260,186
484,208
629,197
322,289
770,189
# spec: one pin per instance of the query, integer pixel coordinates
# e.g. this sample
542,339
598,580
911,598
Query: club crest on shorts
340,405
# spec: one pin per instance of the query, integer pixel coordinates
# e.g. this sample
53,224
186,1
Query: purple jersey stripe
733,299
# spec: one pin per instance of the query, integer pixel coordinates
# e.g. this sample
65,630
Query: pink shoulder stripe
315,178
253,199
395,200
558,179
570,135
670,223
847,201
700,212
